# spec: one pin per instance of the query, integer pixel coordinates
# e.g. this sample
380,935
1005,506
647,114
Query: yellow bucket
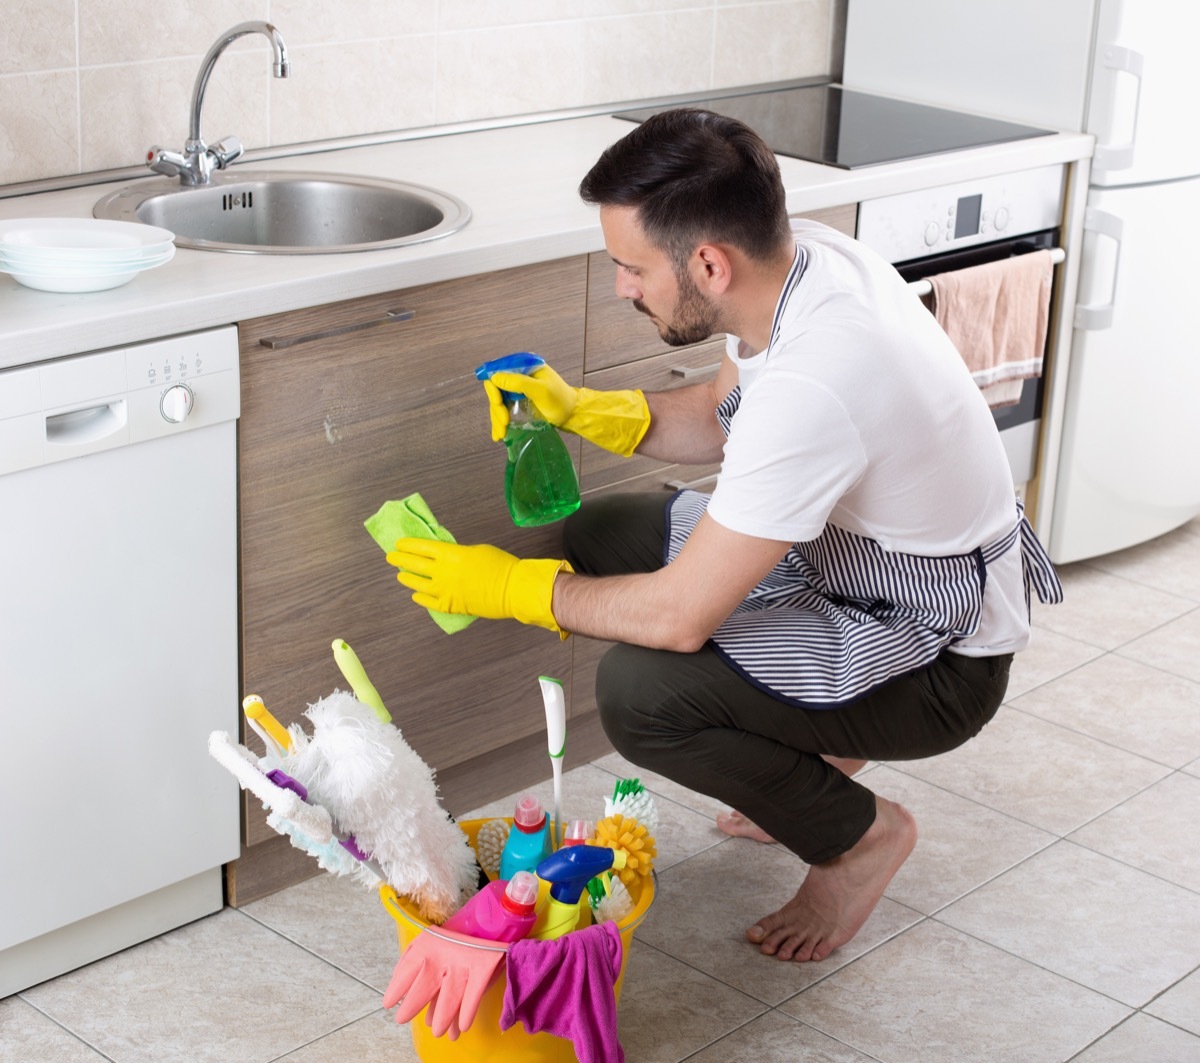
484,1040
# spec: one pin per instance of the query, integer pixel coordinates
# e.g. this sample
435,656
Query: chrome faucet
197,161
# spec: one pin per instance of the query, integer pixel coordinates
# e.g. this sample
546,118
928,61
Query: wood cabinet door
345,407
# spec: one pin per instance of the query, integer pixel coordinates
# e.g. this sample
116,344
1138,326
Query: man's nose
626,288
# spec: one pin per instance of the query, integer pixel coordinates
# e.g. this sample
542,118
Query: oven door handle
1095,316
924,287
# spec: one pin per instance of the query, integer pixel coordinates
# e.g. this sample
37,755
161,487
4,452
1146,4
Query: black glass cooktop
847,128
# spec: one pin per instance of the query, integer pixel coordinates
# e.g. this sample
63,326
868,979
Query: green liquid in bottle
540,484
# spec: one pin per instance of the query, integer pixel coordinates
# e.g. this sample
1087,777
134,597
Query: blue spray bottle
529,840
540,482
568,871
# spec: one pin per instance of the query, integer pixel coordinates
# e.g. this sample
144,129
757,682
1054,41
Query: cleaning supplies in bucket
518,1020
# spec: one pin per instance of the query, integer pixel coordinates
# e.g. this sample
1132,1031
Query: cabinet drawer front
678,368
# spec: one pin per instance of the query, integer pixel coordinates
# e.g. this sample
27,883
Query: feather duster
378,789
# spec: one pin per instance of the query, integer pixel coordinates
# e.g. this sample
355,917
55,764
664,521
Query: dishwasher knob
932,232
1001,219
176,403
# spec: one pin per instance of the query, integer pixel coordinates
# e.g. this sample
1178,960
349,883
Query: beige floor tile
1193,768
934,995
1106,610
27,1036
1154,831
1047,656
1106,926
682,832
706,903
1174,647
1038,772
962,844
777,1038
1127,704
1180,1004
373,1039
1143,1038
338,920
1169,563
223,989
668,1010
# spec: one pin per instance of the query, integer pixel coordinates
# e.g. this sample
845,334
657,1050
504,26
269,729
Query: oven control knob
932,231
1000,221
176,403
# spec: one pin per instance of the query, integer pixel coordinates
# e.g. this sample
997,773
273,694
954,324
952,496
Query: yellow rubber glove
614,420
478,580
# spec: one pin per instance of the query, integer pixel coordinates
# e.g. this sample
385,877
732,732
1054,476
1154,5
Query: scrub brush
489,845
632,800
609,898
630,837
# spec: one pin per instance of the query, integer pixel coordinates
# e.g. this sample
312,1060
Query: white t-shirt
860,431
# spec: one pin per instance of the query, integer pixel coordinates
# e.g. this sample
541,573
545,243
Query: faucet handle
166,162
225,151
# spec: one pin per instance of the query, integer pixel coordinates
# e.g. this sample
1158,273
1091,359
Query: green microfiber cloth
412,518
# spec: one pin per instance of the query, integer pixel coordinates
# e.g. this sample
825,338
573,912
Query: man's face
647,277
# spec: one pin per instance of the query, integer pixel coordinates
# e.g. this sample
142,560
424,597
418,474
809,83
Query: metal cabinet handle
690,485
391,316
689,371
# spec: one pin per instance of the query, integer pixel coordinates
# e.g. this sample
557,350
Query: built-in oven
953,227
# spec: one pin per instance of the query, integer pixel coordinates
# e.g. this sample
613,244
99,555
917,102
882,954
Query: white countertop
520,183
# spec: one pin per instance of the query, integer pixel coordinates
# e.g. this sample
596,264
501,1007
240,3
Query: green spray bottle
540,483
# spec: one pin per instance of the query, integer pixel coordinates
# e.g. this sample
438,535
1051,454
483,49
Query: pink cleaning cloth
567,987
997,315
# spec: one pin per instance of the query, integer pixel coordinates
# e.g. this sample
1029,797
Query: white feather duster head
377,788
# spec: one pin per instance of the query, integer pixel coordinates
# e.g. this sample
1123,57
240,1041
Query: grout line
66,1029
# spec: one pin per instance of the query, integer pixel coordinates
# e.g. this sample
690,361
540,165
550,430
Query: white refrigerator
1127,72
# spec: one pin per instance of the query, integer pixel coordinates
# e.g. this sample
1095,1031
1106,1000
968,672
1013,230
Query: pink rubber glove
446,972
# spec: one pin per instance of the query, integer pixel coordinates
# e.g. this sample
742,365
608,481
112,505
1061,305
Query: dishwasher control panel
75,406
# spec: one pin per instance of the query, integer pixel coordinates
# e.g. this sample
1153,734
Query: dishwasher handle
84,428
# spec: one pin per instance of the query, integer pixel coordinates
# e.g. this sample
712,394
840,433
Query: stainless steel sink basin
285,213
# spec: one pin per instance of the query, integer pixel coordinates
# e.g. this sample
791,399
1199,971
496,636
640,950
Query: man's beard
695,318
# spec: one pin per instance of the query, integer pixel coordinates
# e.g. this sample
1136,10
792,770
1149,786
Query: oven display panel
966,216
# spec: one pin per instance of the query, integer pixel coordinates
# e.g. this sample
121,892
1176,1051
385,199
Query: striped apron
840,615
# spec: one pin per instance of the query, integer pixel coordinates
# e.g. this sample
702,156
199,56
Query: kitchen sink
286,213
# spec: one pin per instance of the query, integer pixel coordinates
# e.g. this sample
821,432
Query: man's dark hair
693,176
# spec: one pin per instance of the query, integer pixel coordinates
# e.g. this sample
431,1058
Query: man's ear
712,269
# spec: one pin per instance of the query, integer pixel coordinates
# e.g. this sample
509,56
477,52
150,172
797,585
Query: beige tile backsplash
89,85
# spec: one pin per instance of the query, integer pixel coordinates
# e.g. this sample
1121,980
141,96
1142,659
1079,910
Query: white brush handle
314,820
556,715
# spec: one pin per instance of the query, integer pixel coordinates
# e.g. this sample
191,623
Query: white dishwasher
118,647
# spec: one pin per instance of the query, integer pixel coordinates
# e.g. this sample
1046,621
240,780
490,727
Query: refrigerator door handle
1094,316
1120,61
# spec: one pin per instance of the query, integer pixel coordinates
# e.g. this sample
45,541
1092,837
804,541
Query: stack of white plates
80,254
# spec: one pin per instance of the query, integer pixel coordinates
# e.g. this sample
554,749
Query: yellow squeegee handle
351,667
256,712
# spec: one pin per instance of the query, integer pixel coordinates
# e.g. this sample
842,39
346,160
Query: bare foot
839,895
738,826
